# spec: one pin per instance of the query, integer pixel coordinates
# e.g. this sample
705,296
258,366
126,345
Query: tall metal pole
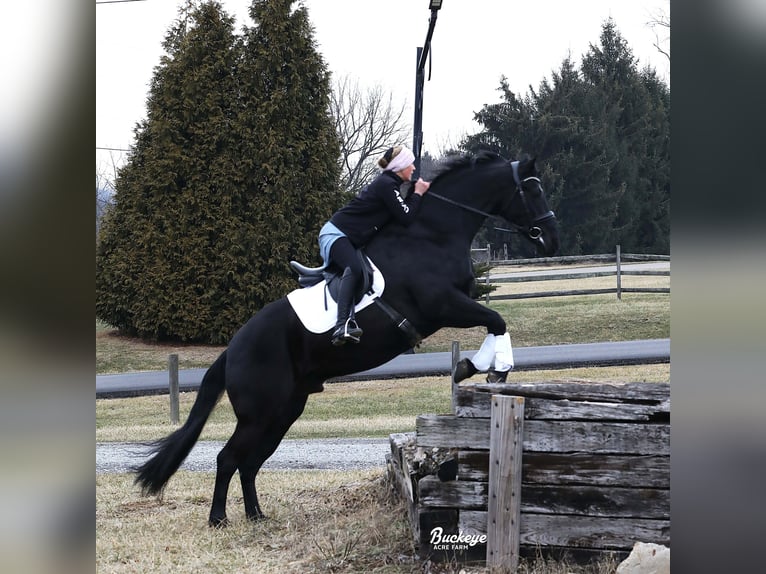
422,56
417,129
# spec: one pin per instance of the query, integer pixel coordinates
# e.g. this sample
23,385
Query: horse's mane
459,162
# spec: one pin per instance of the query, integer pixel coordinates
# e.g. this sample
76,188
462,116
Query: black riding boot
346,328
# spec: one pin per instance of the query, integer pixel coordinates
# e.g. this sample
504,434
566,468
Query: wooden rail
617,258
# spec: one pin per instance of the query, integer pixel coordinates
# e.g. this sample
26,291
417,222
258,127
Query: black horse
273,364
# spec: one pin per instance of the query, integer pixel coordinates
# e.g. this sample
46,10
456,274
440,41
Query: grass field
351,409
327,521
531,322
319,522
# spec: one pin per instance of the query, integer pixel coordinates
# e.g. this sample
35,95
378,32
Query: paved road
321,454
423,364
346,454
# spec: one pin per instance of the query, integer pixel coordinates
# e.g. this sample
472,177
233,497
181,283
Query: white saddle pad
319,312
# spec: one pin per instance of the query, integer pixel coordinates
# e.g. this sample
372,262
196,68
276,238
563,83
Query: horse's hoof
463,370
497,376
257,517
218,522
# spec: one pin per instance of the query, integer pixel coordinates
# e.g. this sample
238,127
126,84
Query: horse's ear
528,161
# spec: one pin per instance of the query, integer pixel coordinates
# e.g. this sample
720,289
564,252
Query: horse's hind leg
268,445
246,436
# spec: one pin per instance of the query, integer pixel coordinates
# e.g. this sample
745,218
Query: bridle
533,231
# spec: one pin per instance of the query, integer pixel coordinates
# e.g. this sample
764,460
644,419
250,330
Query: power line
118,1
115,148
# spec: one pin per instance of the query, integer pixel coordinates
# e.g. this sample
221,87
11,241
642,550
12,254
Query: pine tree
162,259
601,136
642,169
289,154
232,174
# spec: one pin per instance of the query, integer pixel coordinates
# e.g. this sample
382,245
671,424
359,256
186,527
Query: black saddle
332,274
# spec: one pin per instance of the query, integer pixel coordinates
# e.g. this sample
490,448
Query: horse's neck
451,218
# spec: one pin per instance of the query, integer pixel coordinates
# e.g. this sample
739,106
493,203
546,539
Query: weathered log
644,471
575,390
600,501
477,405
591,531
548,436
538,530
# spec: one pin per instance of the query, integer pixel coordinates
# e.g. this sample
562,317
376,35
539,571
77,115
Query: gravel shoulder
292,454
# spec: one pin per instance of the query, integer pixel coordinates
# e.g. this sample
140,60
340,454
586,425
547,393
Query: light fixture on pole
422,55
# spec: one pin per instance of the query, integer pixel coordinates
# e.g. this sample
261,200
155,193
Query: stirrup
349,331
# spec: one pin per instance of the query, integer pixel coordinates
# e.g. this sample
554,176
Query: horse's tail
172,450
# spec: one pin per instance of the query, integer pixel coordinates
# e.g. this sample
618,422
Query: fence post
455,360
173,384
619,276
486,279
504,503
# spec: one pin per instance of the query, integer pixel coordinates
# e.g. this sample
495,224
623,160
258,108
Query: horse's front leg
495,357
456,309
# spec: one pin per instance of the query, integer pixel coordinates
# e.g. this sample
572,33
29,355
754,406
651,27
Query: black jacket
376,205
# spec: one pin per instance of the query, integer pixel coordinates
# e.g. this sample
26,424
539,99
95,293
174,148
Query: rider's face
406,173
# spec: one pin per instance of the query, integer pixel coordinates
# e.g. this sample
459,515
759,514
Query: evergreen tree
232,173
601,135
290,149
642,132
161,260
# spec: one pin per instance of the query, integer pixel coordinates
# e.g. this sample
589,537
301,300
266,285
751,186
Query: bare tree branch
367,124
106,176
660,25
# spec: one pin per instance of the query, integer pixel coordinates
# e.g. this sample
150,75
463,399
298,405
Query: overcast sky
475,43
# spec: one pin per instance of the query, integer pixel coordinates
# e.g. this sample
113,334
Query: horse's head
487,184
528,210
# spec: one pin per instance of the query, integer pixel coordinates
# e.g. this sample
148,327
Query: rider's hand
421,186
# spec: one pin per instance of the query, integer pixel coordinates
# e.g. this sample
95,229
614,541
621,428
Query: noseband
533,231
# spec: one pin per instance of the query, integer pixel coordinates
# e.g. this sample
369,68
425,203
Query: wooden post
619,276
173,384
455,359
504,503
486,279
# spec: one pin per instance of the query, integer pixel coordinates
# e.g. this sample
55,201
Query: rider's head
400,160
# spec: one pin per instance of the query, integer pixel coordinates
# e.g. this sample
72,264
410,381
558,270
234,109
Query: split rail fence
617,258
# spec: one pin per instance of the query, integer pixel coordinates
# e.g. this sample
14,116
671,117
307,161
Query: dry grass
531,322
117,353
319,522
329,521
352,409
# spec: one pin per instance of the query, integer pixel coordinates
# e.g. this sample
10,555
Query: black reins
533,230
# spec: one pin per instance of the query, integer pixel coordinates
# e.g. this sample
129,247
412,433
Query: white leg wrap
503,353
484,357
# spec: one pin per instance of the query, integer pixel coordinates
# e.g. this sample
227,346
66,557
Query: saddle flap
318,312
